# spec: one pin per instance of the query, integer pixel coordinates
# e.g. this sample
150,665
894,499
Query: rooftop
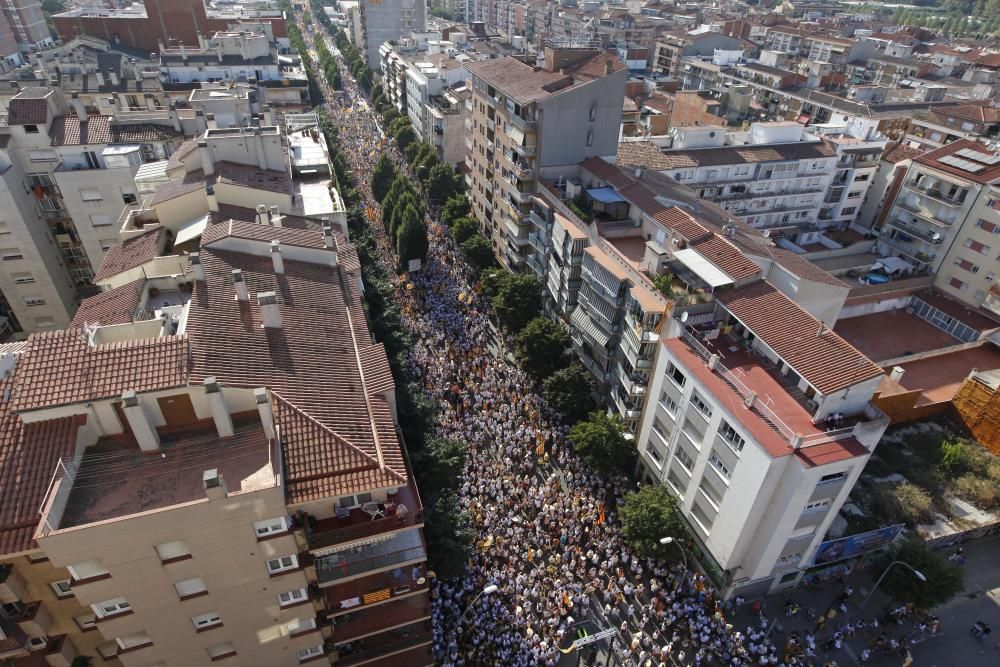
131,253
888,335
646,154
525,84
984,169
939,377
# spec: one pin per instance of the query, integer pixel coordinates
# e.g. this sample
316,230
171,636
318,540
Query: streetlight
488,590
670,540
917,573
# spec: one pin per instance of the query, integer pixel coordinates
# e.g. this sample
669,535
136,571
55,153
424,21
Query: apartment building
10,51
529,123
67,175
934,217
760,424
673,48
818,47
27,22
219,429
388,20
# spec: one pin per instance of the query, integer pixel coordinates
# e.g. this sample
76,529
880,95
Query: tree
382,177
518,300
601,441
456,207
439,466
400,184
662,282
463,229
647,515
541,346
411,239
440,182
449,536
944,580
569,391
413,152
477,253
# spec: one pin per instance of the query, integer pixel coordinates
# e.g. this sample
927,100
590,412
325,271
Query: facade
27,23
528,123
386,21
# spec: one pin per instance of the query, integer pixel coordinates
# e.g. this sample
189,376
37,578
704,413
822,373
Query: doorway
177,410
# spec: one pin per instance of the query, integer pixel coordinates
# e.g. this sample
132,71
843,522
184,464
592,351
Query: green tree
477,253
383,176
456,207
398,124
405,201
463,229
601,441
449,536
518,300
440,182
541,347
400,184
955,458
413,152
647,515
569,391
405,137
438,465
662,282
943,579
411,239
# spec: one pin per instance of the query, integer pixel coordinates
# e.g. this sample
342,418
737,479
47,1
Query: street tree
541,347
411,238
477,253
647,515
569,391
405,137
456,207
439,465
601,441
944,579
517,301
463,229
449,536
382,177
440,182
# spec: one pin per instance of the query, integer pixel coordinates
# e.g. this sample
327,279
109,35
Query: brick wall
690,109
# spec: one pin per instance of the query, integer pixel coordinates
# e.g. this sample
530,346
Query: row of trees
327,63
402,212
355,61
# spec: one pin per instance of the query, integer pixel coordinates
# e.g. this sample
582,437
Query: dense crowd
546,533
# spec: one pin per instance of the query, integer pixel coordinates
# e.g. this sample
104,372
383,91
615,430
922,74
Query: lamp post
917,573
670,540
489,589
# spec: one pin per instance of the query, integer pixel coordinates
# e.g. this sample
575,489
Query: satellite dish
684,316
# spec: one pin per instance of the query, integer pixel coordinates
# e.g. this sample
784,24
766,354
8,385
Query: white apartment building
760,423
386,21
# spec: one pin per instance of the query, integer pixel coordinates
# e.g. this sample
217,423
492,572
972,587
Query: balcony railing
327,538
920,234
366,653
925,214
523,123
934,192
341,566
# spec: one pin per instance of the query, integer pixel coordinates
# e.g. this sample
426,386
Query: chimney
279,262
897,373
217,404
184,53
112,77
78,107
262,218
269,314
275,215
608,64
268,116
210,121
328,236
213,201
750,399
821,330
207,165
215,485
199,270
142,428
239,286
264,408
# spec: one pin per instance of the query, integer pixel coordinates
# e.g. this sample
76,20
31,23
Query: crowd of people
546,534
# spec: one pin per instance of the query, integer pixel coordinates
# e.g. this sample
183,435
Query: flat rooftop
116,479
939,378
887,335
632,248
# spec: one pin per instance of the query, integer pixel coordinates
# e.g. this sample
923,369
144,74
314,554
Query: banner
855,545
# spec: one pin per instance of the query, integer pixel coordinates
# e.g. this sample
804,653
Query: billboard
855,545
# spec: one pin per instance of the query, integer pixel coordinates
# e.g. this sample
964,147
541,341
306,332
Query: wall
976,286
113,184
977,406
564,121
690,109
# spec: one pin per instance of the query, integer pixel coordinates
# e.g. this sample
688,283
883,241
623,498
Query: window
988,226
7,254
31,129
133,641
61,588
309,653
717,463
854,195
289,598
966,265
101,221
816,505
129,198
300,626
668,404
833,477
190,588
206,621
684,459
220,651
849,210
85,622
87,570
22,277
655,456
661,430
701,406
91,195
34,301
270,527
354,501
981,248
283,564
171,552
732,438
958,284
674,374
112,607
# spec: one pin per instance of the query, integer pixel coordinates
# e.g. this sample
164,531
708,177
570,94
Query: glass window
270,527
732,438
283,564
291,597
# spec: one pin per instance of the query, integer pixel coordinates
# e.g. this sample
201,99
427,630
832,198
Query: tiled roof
61,368
253,231
28,456
795,264
726,256
252,177
247,214
131,253
27,111
636,154
116,306
69,131
141,133
175,159
979,113
822,357
525,84
193,180
933,159
321,360
897,152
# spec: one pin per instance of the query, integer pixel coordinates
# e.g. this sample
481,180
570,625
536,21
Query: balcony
373,650
527,150
523,123
921,258
357,524
403,548
924,213
935,193
375,590
364,622
933,238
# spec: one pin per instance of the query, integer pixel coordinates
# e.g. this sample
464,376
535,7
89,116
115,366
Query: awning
582,322
704,269
191,231
516,133
605,195
892,265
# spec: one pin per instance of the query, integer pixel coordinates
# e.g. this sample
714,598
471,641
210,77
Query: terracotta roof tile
525,84
822,357
116,306
252,177
131,253
194,180
69,131
141,133
176,158
895,153
247,214
27,111
795,264
726,256
253,231
28,456
933,159
636,154
61,368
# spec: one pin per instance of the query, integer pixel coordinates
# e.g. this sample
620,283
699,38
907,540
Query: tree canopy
517,301
647,515
944,580
463,229
441,183
382,177
456,207
411,238
569,391
477,252
541,347
601,441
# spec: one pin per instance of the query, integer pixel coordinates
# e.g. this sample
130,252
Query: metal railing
332,568
326,538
